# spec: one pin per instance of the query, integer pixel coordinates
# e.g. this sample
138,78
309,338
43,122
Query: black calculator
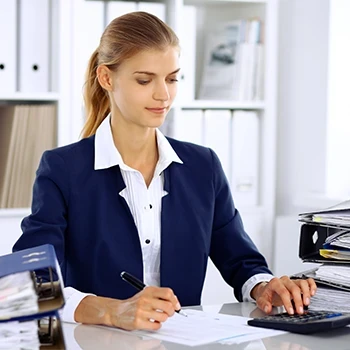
309,322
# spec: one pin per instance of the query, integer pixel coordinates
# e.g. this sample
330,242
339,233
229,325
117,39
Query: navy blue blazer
79,211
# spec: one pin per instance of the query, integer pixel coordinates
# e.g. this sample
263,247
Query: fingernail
291,311
178,306
307,301
301,310
266,309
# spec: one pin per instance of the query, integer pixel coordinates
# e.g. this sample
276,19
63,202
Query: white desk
102,338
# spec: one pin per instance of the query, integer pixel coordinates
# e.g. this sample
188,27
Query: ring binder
42,264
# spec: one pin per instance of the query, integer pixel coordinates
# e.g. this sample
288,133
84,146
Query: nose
161,92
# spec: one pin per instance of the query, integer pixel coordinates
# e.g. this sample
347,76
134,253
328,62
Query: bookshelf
54,91
76,29
208,14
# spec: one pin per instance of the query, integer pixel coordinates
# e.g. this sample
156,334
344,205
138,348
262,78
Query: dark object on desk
309,322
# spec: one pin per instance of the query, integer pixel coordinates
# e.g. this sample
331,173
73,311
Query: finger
149,325
296,293
313,286
264,303
164,306
166,294
305,290
149,319
265,299
282,288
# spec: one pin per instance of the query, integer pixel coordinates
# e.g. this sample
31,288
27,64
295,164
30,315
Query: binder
34,52
312,238
45,272
245,158
119,8
154,8
8,28
322,230
217,136
187,36
188,126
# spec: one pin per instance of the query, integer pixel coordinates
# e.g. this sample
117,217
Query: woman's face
145,86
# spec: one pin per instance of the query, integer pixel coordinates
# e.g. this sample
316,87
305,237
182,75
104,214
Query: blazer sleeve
48,219
232,251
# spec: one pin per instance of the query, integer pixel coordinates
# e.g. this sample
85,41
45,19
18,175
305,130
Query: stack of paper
330,299
337,274
19,335
338,215
18,298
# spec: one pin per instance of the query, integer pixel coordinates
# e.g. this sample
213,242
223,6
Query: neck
137,145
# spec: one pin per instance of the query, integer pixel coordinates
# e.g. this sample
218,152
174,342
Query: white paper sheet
202,328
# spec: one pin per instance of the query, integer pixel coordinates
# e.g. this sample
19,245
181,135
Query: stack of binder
325,239
31,293
26,131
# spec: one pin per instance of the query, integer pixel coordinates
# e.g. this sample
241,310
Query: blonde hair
123,38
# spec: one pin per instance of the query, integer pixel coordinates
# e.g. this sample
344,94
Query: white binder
8,30
187,38
217,130
88,27
154,8
119,8
188,126
245,158
34,46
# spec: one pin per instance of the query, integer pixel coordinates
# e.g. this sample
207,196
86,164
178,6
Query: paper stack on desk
18,298
325,238
19,335
31,293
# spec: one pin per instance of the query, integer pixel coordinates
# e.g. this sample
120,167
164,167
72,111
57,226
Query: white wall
10,230
302,107
313,117
338,125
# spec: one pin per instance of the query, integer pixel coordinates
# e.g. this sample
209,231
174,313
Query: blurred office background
282,136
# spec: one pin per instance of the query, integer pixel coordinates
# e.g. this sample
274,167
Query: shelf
202,104
14,212
36,97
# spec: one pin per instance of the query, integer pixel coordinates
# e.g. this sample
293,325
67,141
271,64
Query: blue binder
42,263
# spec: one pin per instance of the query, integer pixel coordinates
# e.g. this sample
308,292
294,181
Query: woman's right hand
147,309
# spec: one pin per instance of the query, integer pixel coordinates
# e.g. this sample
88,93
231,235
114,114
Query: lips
157,110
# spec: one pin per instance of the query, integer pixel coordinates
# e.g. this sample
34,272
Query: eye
143,82
172,80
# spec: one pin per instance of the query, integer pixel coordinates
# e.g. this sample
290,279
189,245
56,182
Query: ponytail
97,105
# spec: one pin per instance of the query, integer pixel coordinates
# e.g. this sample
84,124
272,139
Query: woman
127,198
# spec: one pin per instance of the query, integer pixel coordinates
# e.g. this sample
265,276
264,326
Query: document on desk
202,328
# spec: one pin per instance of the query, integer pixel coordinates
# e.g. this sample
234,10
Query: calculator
309,322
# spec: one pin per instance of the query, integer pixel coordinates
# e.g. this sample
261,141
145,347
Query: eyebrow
153,74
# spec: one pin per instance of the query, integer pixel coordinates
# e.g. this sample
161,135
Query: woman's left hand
281,291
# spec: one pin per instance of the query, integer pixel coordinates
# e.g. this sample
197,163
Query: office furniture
87,337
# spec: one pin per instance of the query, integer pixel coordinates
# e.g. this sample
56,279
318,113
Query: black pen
139,285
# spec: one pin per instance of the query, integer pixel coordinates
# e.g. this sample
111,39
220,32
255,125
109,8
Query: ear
104,76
